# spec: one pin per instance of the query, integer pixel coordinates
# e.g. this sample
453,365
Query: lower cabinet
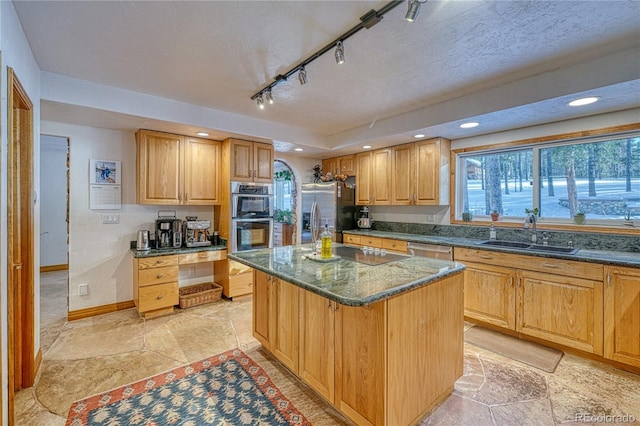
622,315
155,285
559,301
377,364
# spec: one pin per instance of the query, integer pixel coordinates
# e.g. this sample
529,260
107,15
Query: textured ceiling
217,54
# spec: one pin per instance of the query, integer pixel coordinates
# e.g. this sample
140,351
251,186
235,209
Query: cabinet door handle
159,276
519,282
186,196
328,303
549,265
159,297
335,306
511,281
608,279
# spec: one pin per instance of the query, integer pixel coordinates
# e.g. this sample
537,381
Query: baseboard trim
37,362
99,310
51,268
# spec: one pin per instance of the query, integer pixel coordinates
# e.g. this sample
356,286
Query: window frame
537,144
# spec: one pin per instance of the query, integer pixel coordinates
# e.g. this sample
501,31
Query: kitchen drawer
351,239
394,245
374,242
240,284
591,271
147,277
157,261
202,256
158,296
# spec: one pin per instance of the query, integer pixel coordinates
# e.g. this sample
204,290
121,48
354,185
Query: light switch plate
110,219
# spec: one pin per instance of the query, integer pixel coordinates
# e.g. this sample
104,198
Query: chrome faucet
531,219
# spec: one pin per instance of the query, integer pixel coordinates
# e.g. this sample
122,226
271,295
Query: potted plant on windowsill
579,218
495,215
284,216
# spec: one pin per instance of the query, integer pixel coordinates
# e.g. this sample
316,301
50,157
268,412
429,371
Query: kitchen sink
514,244
529,246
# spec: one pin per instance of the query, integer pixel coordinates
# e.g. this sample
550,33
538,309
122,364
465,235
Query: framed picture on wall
105,172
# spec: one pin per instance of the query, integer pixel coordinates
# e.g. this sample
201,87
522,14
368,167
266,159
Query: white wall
53,201
17,55
99,253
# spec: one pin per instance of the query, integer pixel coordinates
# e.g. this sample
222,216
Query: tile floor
88,356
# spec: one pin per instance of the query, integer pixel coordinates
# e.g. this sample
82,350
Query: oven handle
264,219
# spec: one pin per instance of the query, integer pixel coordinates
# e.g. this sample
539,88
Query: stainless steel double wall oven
251,216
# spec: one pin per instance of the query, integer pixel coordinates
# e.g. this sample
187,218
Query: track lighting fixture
367,21
413,9
302,75
339,53
268,97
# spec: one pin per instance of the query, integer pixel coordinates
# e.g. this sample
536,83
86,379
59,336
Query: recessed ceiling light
584,101
202,133
469,125
418,136
298,149
366,147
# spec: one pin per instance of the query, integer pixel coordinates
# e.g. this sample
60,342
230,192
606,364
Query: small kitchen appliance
196,232
364,222
168,230
142,242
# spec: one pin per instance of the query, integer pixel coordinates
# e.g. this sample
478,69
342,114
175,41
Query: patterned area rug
225,389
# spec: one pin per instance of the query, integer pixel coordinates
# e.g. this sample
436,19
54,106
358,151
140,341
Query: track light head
268,97
412,10
339,53
260,101
302,76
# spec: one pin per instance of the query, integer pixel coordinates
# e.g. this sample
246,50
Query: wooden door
263,162
22,367
363,178
201,172
561,309
381,176
622,315
330,165
263,308
159,168
241,161
402,175
427,172
285,341
489,294
361,375
316,363
346,165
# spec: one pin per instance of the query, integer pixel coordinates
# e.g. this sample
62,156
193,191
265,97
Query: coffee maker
168,230
364,222
196,232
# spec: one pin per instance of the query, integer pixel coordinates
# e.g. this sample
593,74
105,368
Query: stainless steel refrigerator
336,205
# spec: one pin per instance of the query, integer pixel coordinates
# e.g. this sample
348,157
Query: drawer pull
158,262
549,265
159,297
485,256
159,276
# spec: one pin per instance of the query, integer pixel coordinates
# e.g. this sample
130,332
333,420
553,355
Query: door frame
20,243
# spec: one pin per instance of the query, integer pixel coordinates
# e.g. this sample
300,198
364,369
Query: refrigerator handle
314,222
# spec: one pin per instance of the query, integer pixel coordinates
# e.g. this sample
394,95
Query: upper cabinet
251,161
176,170
345,165
420,173
373,177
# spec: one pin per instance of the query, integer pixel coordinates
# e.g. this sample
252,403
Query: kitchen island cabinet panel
285,307
622,315
263,309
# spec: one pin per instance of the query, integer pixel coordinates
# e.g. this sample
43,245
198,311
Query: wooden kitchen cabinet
345,164
373,177
556,300
420,173
330,165
176,170
155,285
251,161
622,315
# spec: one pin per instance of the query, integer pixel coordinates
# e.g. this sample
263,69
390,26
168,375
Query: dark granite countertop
607,257
348,282
166,252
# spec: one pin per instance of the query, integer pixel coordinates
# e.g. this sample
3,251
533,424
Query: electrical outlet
83,289
110,219
192,271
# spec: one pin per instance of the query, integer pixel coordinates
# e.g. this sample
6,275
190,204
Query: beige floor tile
528,413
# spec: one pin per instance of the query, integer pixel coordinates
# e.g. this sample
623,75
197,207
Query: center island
379,336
